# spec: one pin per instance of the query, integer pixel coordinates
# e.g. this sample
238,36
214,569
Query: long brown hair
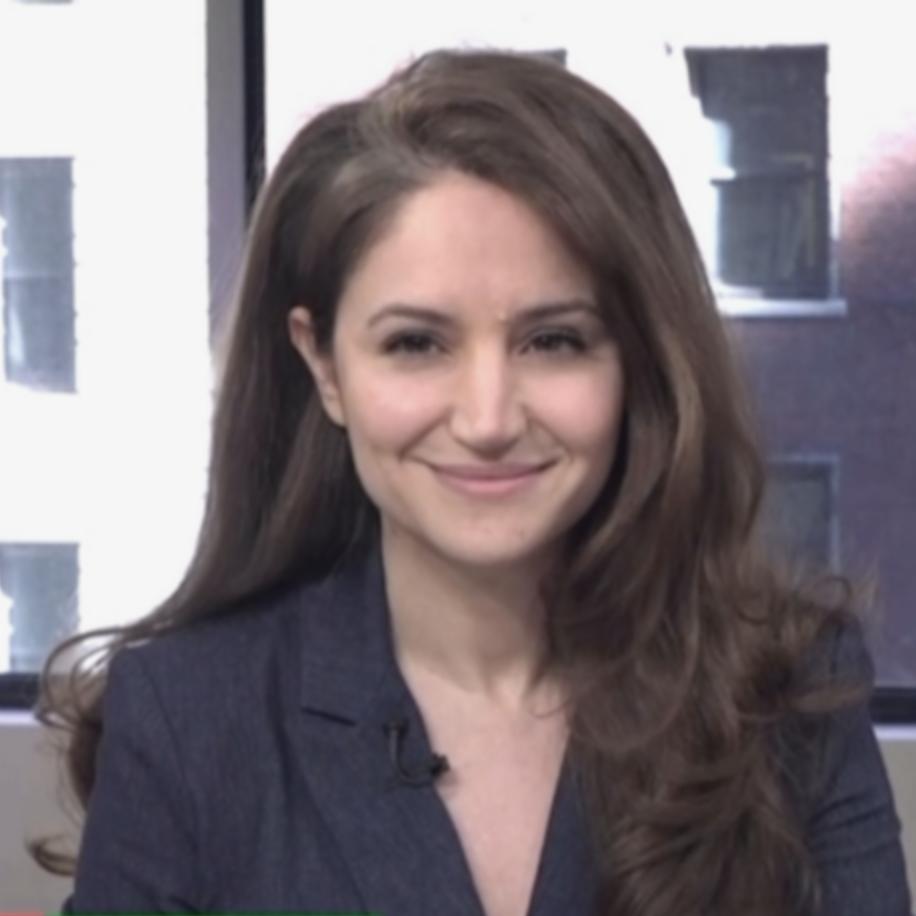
686,654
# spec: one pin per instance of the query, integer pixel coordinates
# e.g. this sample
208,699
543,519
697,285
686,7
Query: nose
487,412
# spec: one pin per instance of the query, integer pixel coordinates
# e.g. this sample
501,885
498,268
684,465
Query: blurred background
134,136
126,167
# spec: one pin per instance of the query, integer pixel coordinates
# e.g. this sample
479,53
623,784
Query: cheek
585,413
387,413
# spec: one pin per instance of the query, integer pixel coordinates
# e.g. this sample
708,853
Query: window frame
834,304
236,103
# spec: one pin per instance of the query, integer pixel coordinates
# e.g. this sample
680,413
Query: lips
489,480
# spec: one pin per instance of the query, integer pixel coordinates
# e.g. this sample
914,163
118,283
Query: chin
488,545
494,554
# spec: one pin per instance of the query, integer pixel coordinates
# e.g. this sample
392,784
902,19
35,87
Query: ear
319,362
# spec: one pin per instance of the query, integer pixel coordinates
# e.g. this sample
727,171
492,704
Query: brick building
845,386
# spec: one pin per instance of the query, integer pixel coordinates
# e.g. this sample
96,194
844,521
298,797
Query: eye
412,343
557,341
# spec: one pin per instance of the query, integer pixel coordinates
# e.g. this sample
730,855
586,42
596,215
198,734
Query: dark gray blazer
245,768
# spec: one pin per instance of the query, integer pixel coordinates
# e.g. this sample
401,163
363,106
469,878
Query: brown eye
559,341
412,344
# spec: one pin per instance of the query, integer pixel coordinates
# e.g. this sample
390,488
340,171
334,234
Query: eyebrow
442,318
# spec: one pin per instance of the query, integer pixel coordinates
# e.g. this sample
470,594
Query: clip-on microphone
396,730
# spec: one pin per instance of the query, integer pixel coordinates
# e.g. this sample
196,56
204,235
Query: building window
38,602
105,242
800,511
767,110
38,317
558,55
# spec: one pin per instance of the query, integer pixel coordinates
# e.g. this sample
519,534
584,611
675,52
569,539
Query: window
800,510
767,110
558,56
105,375
39,602
36,266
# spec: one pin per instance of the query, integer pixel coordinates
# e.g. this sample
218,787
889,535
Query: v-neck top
244,767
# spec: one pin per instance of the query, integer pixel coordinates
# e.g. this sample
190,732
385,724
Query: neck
482,632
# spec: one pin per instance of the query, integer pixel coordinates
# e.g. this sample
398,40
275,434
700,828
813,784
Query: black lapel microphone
425,775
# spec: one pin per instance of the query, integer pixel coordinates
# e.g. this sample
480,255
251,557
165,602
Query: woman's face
481,393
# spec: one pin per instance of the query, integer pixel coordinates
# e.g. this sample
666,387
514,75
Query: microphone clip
425,775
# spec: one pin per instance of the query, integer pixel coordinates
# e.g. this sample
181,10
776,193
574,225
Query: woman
479,622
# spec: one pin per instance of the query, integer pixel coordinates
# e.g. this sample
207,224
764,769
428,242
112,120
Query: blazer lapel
398,841
567,873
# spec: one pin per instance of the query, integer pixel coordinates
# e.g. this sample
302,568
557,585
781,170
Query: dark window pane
773,236
770,111
36,205
38,350
772,102
558,56
36,200
800,510
39,585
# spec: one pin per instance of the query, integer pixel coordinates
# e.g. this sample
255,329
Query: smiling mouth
489,480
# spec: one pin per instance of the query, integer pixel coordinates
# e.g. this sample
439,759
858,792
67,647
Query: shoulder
188,707
828,755
251,628
850,820
816,726
842,653
843,667
215,669
831,687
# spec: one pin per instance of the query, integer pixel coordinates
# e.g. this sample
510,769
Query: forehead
459,241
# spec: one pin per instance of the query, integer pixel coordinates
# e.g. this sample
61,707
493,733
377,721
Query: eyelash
551,342
569,341
411,344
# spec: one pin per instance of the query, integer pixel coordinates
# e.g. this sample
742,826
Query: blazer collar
346,649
